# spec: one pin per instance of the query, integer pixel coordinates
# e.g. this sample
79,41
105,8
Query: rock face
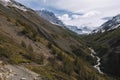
50,16
21,73
5,73
12,72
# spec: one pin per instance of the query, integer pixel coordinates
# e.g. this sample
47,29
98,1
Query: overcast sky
78,12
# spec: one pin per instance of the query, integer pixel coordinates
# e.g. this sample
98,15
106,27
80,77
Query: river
97,66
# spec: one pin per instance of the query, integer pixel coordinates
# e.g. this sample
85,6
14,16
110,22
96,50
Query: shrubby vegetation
23,44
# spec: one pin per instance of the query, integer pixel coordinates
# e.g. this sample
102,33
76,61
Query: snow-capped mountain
13,3
74,29
79,30
50,16
110,24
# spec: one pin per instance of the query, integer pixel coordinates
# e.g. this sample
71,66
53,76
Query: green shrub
23,44
49,45
3,52
30,48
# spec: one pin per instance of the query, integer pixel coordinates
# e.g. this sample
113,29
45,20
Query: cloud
91,14
44,1
76,16
91,19
75,5
64,17
86,15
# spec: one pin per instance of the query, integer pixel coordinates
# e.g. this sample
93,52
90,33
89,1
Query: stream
97,66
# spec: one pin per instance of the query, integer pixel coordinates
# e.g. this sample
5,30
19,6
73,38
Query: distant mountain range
112,23
81,30
51,17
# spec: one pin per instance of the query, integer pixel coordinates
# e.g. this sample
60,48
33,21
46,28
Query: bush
79,52
60,56
23,44
49,45
4,52
68,66
30,48
37,58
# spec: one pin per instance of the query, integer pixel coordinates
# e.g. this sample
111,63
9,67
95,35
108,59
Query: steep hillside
51,51
107,45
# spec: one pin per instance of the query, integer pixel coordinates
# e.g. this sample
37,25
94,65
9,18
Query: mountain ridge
109,25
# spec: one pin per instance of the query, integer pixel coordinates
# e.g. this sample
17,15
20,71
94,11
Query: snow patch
13,4
114,27
19,7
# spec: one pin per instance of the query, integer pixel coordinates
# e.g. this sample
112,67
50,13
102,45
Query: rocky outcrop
13,72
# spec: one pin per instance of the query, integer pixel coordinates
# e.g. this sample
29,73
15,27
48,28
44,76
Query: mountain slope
110,24
107,45
53,52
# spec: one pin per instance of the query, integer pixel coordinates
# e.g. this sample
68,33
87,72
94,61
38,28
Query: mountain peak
50,16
